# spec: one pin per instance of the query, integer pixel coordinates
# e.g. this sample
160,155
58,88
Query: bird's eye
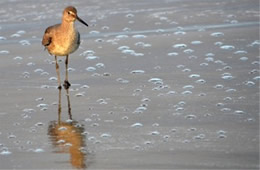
69,12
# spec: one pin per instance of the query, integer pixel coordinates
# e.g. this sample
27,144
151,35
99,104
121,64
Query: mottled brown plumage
63,39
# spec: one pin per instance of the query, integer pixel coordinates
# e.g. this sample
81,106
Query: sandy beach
171,84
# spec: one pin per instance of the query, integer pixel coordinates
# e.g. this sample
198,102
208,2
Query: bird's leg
66,82
58,72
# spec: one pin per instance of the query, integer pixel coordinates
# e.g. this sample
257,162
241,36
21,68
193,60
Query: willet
63,39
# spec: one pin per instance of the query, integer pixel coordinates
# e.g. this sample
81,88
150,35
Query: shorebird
63,39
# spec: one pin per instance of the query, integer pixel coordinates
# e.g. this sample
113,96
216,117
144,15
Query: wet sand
170,84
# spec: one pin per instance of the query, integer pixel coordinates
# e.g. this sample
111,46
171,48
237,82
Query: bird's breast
64,42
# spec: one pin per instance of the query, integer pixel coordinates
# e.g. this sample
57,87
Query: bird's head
70,15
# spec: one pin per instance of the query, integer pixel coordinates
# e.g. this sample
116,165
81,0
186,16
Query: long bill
83,22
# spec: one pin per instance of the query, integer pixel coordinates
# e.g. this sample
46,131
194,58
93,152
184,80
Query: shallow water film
170,84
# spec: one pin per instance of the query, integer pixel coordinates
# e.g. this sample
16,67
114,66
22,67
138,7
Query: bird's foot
59,87
66,84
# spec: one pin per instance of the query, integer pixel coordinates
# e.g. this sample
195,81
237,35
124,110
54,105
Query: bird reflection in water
68,137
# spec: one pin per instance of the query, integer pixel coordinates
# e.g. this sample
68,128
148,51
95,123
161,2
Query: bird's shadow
68,137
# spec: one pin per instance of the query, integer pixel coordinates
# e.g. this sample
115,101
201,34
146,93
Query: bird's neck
67,25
